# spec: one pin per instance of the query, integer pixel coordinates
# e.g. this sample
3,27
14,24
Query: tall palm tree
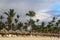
10,15
31,14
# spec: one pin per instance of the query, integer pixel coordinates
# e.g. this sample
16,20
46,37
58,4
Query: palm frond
6,13
27,14
1,17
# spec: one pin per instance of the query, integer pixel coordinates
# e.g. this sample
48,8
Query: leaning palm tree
10,15
31,14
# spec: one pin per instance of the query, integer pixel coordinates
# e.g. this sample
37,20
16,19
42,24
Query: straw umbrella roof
14,31
24,32
18,31
4,31
10,31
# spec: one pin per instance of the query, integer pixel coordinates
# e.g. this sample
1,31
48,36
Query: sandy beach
30,38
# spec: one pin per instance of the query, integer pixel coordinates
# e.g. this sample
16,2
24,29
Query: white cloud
43,16
25,5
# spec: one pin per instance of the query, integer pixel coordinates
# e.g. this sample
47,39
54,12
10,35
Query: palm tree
53,20
31,14
58,25
1,17
48,27
25,26
17,19
1,23
58,21
42,27
19,25
53,24
37,20
2,26
36,27
10,15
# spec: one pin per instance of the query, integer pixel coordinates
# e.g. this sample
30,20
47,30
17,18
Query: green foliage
19,25
31,13
10,15
52,26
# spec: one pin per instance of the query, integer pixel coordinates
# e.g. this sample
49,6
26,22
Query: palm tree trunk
11,22
1,24
11,26
31,23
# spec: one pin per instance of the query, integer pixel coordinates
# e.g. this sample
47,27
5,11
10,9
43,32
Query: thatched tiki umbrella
18,32
4,32
24,32
11,33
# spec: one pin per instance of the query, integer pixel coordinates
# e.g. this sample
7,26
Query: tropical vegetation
14,24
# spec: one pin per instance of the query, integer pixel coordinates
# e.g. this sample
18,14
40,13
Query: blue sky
45,9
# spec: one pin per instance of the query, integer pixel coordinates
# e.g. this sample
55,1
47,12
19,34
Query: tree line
52,27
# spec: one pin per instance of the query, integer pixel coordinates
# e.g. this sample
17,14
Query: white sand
29,38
